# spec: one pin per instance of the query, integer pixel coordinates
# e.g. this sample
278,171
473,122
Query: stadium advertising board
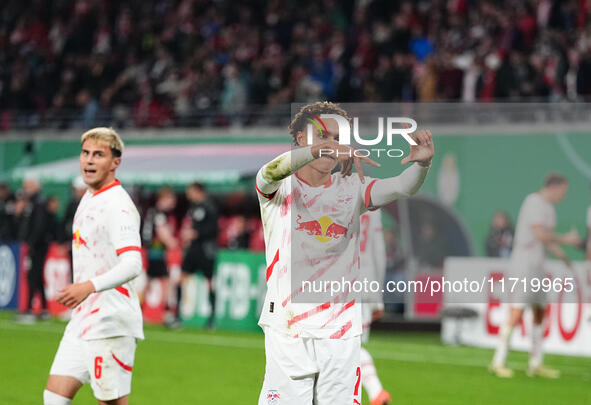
240,286
567,327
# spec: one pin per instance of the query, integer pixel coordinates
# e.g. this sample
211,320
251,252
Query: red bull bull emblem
323,229
273,397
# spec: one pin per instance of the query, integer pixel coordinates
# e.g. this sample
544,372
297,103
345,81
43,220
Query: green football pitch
203,367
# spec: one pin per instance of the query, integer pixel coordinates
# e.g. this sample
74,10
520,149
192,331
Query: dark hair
554,179
198,186
164,191
309,112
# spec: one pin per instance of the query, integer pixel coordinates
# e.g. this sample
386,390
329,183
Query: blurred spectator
54,233
78,190
499,241
6,212
158,236
34,231
194,63
200,239
238,234
431,248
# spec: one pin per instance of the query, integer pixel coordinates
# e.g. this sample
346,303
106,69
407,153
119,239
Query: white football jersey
534,211
372,249
106,224
315,229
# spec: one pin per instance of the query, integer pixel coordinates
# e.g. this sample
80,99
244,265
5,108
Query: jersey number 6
98,370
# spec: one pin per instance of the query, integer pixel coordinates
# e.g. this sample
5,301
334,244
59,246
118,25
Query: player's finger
405,160
429,137
349,170
359,169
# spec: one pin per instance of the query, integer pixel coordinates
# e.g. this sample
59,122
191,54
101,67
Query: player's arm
558,252
270,175
164,233
548,236
128,268
410,180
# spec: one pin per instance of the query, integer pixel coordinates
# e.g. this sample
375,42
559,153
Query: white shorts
106,363
306,371
520,294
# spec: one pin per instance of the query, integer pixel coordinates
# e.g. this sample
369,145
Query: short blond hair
106,136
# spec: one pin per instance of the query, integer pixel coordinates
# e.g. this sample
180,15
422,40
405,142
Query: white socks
51,398
369,376
536,357
500,356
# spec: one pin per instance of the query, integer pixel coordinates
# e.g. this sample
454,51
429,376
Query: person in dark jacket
33,230
499,241
200,239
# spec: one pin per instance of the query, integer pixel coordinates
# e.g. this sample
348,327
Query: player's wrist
425,163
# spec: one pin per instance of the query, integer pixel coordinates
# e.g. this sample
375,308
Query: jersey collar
113,184
327,185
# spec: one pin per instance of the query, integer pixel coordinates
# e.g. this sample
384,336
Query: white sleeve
124,228
124,232
536,213
128,268
270,175
406,184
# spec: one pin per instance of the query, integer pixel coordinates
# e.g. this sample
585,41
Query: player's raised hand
572,238
74,294
423,152
343,154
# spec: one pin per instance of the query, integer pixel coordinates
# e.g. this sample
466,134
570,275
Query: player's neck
105,183
313,177
546,195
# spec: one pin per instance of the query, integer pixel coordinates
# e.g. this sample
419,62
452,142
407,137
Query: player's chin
326,164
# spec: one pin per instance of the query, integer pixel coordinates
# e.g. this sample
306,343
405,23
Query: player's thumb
405,160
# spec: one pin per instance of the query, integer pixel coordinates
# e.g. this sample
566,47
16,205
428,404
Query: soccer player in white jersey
99,342
313,350
534,236
372,252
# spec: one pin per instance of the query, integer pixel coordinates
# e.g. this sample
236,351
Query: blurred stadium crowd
155,63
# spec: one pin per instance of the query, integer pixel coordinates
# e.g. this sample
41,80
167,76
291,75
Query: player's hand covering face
423,151
329,152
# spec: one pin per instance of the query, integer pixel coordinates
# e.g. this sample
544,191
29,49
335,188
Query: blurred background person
6,211
34,231
200,240
534,237
158,235
499,240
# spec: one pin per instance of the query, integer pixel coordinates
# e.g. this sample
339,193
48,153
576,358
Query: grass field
202,367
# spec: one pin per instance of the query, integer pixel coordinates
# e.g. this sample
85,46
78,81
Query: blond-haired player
99,342
313,349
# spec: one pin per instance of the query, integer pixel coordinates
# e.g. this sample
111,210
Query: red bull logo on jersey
273,397
78,241
324,229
